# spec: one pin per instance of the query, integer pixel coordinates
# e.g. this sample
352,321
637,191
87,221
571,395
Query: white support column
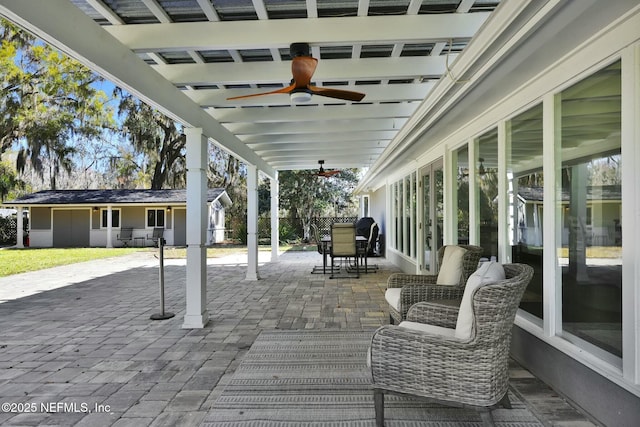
504,201
275,221
252,222
196,315
630,213
449,204
109,227
474,204
19,229
552,232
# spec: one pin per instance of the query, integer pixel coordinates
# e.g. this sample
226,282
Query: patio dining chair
158,233
457,263
125,236
367,249
343,245
323,249
461,362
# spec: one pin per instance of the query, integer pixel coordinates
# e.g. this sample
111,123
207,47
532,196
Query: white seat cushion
488,272
451,268
426,328
392,295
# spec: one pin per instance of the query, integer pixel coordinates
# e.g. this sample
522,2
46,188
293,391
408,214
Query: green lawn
14,261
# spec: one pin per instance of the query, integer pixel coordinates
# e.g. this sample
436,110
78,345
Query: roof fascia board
63,25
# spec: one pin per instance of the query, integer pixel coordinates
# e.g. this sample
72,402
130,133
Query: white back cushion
451,268
489,272
392,295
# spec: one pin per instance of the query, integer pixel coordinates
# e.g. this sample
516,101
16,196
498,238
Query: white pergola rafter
315,126
323,112
374,93
308,138
229,73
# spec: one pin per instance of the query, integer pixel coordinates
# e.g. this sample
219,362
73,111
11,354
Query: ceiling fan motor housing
299,49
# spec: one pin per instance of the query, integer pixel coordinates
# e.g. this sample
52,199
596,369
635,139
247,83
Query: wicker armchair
445,368
422,287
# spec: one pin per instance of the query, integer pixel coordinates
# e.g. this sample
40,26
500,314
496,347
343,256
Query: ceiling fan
326,173
303,65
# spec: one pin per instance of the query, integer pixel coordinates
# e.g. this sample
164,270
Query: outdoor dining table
361,243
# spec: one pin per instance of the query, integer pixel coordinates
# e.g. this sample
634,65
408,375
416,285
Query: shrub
8,232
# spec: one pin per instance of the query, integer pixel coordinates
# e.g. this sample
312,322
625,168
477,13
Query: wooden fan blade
328,173
287,89
336,93
302,69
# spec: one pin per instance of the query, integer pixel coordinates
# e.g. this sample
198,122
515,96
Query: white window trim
146,215
104,227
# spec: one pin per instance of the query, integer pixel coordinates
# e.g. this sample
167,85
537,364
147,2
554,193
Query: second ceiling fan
303,65
326,173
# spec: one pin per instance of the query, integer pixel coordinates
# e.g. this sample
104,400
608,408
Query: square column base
195,321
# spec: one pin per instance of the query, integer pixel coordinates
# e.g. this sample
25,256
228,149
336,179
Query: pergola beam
261,34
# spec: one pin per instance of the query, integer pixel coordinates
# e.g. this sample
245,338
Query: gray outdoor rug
320,378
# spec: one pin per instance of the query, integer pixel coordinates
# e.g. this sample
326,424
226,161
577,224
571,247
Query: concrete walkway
77,347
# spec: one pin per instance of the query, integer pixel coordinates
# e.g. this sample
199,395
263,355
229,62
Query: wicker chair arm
398,280
401,358
434,314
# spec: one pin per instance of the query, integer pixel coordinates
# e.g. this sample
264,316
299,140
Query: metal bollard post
162,315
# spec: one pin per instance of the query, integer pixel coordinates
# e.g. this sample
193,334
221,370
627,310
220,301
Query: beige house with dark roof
94,218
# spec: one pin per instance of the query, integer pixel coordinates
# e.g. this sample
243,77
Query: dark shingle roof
93,197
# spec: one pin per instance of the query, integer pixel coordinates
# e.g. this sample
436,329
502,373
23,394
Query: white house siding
602,376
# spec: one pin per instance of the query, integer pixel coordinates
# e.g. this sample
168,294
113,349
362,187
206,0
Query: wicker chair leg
487,419
505,402
378,403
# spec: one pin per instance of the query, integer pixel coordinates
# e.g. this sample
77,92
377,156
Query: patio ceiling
186,57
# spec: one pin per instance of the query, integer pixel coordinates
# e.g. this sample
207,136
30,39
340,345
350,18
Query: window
414,214
155,218
115,218
524,173
365,206
408,188
462,192
396,216
589,190
486,165
404,209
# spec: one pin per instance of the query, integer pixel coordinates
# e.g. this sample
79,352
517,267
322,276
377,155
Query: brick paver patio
89,352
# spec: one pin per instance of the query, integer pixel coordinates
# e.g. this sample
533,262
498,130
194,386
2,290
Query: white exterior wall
619,40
